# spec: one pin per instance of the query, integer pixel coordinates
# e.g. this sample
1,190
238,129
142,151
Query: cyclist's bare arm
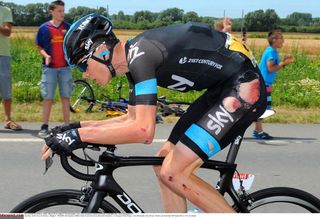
130,115
138,129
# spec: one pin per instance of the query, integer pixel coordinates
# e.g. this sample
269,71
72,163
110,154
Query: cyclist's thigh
65,82
5,75
49,81
195,111
231,109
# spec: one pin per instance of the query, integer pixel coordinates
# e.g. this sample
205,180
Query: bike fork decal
124,198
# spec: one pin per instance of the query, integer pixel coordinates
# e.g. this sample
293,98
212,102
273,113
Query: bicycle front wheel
59,201
283,200
82,98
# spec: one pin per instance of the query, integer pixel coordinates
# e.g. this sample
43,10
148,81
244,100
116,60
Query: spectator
49,42
269,66
5,66
223,25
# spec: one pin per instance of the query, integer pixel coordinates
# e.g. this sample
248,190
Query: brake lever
94,148
48,163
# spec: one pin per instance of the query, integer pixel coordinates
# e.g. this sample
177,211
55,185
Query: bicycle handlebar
75,173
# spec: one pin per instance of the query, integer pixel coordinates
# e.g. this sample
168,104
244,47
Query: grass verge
32,112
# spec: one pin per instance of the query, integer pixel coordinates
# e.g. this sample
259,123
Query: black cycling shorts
207,127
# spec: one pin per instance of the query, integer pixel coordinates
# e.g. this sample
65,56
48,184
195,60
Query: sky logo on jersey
181,84
219,120
134,53
209,62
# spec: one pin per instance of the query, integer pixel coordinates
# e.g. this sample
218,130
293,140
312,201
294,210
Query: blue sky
214,8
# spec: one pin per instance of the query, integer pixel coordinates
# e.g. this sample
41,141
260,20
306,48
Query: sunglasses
83,64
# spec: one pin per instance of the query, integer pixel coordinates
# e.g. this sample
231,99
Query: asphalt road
291,159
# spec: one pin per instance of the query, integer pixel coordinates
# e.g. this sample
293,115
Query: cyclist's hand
65,142
63,128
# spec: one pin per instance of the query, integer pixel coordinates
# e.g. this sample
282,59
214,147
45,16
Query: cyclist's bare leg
177,173
172,202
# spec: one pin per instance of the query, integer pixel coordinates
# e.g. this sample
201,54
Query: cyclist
181,57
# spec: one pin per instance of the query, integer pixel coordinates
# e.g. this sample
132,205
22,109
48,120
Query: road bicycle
92,199
83,100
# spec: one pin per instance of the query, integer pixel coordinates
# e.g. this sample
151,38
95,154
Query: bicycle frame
105,185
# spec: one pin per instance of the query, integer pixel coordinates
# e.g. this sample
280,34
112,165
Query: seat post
234,148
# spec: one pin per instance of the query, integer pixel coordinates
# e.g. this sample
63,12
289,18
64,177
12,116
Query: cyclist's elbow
146,135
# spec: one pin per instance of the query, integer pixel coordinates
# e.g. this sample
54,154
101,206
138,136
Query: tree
143,16
37,13
261,21
171,15
299,19
78,12
191,16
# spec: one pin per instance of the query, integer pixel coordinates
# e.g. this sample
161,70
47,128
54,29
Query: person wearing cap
6,22
181,57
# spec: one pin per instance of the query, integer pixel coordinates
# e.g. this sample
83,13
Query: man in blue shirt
269,65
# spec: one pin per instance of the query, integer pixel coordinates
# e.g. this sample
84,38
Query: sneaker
44,131
261,135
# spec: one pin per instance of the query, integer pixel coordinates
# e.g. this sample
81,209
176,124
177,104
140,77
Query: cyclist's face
97,71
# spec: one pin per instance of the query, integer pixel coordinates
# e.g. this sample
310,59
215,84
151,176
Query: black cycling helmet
83,33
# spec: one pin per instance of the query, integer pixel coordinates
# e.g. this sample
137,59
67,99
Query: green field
297,87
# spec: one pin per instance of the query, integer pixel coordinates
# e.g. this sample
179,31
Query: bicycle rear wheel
283,200
59,201
82,98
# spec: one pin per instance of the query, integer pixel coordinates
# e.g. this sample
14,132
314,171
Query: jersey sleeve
269,56
38,40
143,58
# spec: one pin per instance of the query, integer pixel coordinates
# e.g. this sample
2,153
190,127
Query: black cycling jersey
182,57
193,56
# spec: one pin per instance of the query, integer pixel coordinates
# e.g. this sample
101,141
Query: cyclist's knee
165,149
167,176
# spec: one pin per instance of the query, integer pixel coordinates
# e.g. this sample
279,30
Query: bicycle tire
68,198
282,200
82,98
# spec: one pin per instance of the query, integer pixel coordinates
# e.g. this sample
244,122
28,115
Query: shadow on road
25,132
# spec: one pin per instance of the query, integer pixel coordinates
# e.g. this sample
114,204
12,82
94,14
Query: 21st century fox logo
209,62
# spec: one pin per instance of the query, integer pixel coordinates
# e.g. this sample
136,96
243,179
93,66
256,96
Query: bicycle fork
104,186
